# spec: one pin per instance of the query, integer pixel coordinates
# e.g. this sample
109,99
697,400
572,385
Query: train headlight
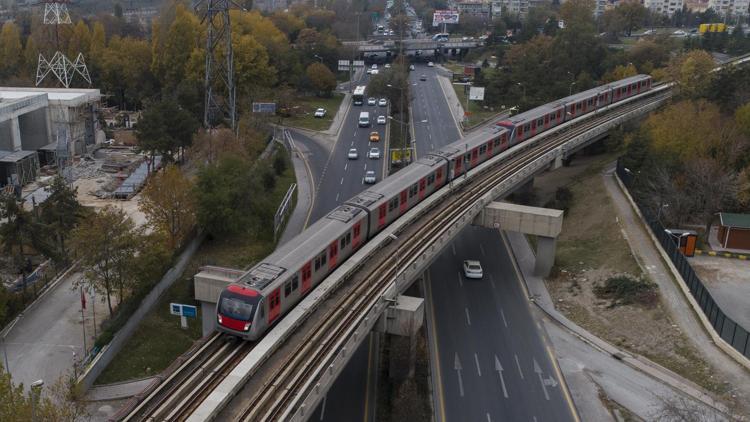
247,326
219,317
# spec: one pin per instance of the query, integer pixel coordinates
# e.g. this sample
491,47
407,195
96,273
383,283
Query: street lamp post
5,353
570,92
524,90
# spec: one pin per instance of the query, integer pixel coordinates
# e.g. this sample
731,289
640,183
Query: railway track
178,395
277,400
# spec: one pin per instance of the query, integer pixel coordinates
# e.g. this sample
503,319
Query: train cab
236,311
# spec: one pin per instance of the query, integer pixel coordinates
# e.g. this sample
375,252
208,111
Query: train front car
236,310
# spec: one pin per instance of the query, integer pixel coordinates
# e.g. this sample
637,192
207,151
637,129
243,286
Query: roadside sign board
264,108
476,93
184,312
344,64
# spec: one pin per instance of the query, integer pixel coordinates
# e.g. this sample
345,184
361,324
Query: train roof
534,113
396,182
302,248
476,137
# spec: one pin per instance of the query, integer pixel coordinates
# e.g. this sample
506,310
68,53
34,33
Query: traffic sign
264,108
184,312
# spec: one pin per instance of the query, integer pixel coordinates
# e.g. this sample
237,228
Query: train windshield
237,306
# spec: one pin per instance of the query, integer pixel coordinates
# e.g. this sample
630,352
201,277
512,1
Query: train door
422,186
474,157
382,212
629,91
333,255
274,306
306,277
404,204
546,121
459,168
357,235
533,128
489,148
438,180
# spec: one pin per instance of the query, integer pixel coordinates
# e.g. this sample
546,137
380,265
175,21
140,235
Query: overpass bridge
365,48
287,373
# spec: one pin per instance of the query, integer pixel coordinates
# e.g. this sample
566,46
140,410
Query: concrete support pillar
402,322
557,163
208,312
15,134
545,255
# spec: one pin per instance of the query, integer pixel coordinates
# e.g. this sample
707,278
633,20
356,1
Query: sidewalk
540,296
457,110
48,337
305,193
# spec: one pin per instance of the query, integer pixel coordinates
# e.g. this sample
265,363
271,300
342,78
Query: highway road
337,179
493,361
434,126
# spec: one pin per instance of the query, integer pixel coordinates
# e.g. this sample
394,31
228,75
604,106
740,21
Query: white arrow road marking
342,181
468,319
550,382
489,419
476,360
457,367
503,315
538,371
345,166
337,197
518,364
499,369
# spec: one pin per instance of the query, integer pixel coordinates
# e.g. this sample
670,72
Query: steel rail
313,354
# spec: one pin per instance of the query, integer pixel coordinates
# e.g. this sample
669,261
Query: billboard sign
444,16
264,108
476,93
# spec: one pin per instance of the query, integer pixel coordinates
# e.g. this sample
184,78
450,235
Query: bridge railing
728,329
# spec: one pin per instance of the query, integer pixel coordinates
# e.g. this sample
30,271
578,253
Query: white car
374,72
370,177
411,67
381,120
472,269
679,33
320,113
374,66
353,154
373,153
430,64
387,66
372,101
369,71
382,102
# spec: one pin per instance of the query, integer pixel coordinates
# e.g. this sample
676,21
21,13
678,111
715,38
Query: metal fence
730,331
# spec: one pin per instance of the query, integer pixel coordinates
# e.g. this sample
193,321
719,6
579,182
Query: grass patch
159,340
302,113
477,112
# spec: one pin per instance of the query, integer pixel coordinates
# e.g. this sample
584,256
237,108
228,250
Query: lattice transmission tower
56,14
219,97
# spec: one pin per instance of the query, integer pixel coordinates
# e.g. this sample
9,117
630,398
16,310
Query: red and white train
248,307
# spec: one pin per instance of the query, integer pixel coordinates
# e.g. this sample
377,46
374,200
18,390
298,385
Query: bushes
624,290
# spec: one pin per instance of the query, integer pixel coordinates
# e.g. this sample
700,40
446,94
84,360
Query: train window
552,117
317,264
483,149
287,288
540,122
348,238
323,259
578,106
343,242
430,179
527,128
356,230
413,190
295,282
497,142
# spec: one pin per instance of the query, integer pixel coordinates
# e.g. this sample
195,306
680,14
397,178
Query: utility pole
354,55
219,75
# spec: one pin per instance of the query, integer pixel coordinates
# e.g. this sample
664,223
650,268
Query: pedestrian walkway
540,296
677,304
305,192
48,338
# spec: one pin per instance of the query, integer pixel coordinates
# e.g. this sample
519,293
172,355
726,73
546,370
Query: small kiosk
685,240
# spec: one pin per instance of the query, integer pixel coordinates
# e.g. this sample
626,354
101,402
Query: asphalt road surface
434,126
494,363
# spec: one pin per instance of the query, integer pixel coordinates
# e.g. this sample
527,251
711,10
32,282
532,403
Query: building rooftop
58,96
740,221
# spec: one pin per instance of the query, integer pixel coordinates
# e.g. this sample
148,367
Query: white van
364,119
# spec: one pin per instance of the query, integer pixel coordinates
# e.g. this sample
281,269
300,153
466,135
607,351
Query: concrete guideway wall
318,385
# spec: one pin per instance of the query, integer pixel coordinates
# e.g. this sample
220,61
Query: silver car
372,101
374,153
472,269
382,102
353,154
370,177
